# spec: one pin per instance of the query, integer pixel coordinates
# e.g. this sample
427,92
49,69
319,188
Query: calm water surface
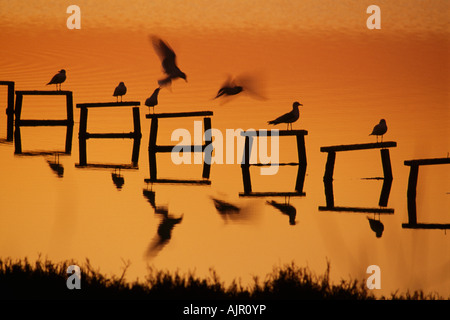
347,80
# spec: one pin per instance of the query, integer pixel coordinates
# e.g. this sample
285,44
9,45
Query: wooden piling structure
385,158
302,161
412,193
384,196
9,109
83,135
205,148
19,122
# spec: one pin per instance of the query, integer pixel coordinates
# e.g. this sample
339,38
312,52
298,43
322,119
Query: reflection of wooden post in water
329,167
412,192
19,122
302,163
328,186
9,109
83,135
153,148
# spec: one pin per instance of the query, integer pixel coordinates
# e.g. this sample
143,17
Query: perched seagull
120,91
168,61
153,100
58,78
289,117
379,130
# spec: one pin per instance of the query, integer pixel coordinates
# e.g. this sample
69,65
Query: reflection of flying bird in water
58,78
119,91
289,117
152,101
379,130
233,212
286,209
225,207
250,84
376,226
168,62
164,233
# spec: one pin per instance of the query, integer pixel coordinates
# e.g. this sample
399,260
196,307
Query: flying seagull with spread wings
168,62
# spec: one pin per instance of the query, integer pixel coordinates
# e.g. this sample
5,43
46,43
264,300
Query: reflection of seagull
285,208
230,212
225,207
289,117
376,226
58,78
164,234
168,61
118,179
244,83
56,166
153,100
120,91
379,130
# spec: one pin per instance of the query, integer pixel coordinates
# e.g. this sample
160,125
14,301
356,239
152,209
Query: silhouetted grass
46,280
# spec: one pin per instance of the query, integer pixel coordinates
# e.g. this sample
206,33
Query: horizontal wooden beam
265,133
272,194
108,104
42,153
130,135
442,226
107,166
424,162
274,164
6,83
357,209
362,146
179,114
36,123
185,148
178,181
43,93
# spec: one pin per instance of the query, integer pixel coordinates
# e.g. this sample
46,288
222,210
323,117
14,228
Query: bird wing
285,117
166,54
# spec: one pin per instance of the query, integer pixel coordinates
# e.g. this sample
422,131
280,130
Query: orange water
317,52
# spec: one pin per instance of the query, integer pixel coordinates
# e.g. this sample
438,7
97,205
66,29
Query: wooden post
329,195
301,163
82,136
17,141
386,161
152,148
10,113
385,191
208,148
69,136
329,167
18,108
69,106
245,165
136,122
411,193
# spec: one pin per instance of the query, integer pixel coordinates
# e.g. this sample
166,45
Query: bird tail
165,82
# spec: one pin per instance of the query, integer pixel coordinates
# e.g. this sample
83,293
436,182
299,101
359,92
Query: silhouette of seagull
224,207
164,234
58,78
245,83
119,91
379,130
376,226
152,101
168,62
286,209
289,117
